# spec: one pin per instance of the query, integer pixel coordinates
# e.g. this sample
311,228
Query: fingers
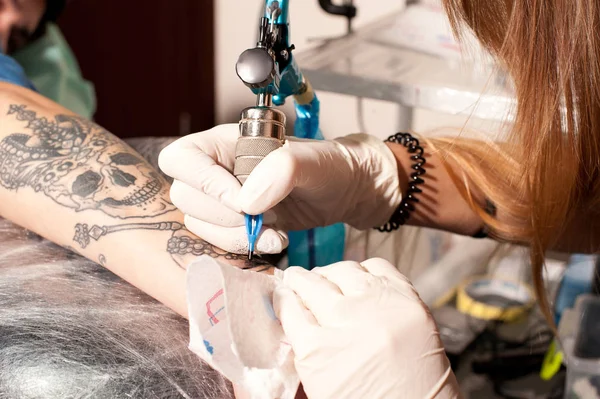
300,163
356,279
235,240
351,278
218,143
382,268
295,318
318,294
269,183
204,161
203,207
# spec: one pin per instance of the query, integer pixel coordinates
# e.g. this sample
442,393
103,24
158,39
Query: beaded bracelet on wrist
402,213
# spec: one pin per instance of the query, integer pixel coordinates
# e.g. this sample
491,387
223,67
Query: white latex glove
361,331
304,184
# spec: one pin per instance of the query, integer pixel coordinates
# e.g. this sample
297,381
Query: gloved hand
361,331
305,184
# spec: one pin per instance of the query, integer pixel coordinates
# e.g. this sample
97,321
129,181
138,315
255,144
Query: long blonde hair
548,169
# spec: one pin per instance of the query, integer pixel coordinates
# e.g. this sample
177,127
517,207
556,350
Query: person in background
34,54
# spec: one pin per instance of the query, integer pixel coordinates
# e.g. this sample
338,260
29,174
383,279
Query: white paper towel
233,328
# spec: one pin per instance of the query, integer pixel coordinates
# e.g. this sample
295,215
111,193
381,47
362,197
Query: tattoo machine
271,72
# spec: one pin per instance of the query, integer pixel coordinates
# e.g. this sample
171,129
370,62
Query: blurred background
153,66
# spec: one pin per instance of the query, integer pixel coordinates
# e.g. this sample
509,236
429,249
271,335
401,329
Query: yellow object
479,298
552,362
307,94
444,299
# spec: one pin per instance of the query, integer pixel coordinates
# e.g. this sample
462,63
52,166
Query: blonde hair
548,168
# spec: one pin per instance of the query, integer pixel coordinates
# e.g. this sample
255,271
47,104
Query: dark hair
53,10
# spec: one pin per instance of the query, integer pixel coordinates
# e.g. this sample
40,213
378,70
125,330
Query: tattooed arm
76,184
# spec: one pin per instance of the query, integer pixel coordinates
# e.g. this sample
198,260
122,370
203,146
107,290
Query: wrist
413,181
375,171
403,162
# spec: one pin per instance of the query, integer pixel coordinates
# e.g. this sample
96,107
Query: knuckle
285,160
415,314
196,227
345,264
227,132
180,195
386,338
229,128
177,190
376,260
269,245
209,180
166,156
191,226
338,268
176,197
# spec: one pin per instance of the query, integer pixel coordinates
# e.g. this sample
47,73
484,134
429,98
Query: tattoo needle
253,226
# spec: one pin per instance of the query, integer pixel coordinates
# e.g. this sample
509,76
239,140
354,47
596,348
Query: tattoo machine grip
262,131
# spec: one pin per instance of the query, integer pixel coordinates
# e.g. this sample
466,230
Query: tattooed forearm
180,244
83,233
80,166
186,243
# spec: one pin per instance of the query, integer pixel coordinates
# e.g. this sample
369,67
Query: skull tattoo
81,166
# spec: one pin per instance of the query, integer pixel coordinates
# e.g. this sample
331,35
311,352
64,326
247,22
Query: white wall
236,30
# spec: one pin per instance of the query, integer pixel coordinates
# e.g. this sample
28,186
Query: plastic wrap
71,329
150,147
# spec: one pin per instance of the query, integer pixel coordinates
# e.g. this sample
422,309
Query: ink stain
102,260
208,346
268,303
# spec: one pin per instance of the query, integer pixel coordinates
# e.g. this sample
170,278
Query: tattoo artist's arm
79,186
441,204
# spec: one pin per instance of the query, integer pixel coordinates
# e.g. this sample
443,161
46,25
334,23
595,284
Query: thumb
295,319
269,183
300,163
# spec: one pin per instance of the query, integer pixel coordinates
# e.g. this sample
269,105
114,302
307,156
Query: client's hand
361,331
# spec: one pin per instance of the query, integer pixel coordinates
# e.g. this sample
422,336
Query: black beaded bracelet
402,213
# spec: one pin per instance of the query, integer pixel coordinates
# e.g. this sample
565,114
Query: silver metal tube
264,100
262,130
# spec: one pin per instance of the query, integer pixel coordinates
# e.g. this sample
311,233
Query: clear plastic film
70,328
320,246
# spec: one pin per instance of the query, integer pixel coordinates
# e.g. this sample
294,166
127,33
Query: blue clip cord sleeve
320,246
307,120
